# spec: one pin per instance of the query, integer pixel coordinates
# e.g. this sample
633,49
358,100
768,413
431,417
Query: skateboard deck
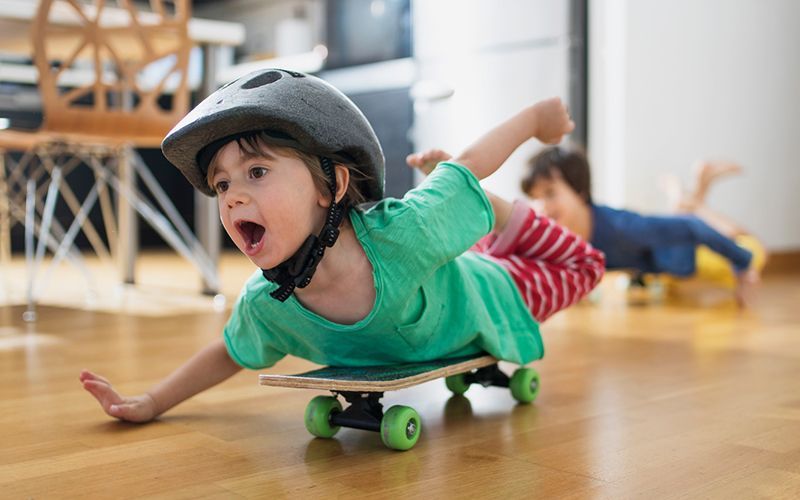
377,378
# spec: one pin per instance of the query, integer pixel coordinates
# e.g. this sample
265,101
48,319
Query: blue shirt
659,244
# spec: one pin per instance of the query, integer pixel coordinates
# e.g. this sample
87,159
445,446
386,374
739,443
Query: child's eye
221,186
257,172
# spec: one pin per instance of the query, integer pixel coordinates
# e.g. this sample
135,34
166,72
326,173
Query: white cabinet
478,62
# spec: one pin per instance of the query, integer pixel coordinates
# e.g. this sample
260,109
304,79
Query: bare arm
205,369
546,120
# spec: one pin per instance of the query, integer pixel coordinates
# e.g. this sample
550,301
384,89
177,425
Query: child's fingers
132,412
416,157
87,375
98,389
103,393
419,160
123,411
414,160
436,155
130,409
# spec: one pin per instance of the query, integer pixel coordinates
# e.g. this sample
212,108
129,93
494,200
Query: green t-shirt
433,298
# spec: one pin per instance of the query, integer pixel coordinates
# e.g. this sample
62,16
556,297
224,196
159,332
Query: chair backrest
109,68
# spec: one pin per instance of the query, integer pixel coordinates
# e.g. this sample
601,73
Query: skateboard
363,387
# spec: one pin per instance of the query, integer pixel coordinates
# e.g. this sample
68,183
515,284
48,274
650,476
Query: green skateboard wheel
400,428
457,384
318,416
524,385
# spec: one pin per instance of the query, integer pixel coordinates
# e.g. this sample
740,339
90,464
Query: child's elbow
596,264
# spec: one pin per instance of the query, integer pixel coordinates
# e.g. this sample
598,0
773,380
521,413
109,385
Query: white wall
674,81
495,57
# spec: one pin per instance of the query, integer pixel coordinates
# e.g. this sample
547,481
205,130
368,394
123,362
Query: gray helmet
318,118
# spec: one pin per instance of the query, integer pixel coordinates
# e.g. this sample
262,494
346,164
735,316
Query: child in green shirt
291,161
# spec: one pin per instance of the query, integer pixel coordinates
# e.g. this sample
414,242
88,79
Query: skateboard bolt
411,429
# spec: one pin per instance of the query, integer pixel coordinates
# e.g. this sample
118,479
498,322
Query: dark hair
254,142
570,162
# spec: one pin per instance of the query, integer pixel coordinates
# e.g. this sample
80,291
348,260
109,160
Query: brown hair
569,162
254,144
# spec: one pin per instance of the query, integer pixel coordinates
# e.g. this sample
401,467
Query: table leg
5,218
128,223
206,213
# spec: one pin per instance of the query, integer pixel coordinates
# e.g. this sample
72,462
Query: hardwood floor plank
680,398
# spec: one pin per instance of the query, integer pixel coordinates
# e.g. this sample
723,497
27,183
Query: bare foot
745,287
706,172
709,170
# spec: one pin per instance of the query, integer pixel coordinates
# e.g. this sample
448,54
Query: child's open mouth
253,235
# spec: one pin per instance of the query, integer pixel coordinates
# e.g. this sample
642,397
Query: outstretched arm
205,369
546,120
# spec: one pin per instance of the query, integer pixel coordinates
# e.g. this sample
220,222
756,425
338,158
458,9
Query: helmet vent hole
262,79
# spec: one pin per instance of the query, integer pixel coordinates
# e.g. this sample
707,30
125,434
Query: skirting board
783,262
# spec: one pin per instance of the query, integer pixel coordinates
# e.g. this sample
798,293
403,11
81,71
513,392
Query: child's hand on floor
132,409
553,120
426,161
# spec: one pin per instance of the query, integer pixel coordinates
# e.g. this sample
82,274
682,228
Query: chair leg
43,232
205,261
35,260
74,205
47,215
30,203
69,237
127,224
5,225
166,220
106,208
5,217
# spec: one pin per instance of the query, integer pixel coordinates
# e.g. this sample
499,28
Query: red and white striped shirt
552,267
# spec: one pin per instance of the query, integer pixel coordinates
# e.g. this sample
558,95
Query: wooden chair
135,63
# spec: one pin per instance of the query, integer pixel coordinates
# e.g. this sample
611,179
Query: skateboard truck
489,375
365,411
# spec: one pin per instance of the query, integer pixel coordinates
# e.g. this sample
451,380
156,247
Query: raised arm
546,120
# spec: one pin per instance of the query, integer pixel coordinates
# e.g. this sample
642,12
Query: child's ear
342,181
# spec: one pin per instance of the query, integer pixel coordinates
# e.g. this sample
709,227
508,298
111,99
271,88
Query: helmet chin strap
296,272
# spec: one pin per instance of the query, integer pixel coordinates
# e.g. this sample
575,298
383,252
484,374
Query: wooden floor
687,398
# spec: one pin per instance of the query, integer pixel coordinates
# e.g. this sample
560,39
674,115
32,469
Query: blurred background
646,394
652,85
